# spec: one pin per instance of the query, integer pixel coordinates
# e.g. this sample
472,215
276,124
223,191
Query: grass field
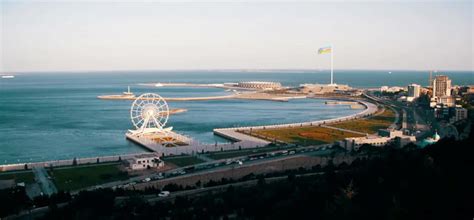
240,153
306,135
79,177
369,125
26,177
182,161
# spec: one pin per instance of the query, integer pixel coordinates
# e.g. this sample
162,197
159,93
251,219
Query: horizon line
262,70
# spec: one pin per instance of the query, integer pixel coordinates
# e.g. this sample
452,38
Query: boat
124,95
128,93
8,76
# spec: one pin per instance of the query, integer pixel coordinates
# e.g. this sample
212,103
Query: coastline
370,109
228,133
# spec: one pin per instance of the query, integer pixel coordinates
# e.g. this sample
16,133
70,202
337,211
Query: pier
248,96
241,141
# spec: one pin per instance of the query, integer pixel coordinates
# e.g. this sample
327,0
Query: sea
56,115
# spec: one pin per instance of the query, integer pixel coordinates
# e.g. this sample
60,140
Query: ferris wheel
149,113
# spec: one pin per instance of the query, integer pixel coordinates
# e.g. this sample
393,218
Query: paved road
220,167
42,178
194,192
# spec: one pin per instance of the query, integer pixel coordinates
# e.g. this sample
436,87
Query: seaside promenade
240,140
370,108
67,162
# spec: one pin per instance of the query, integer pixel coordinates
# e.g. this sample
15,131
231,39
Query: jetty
247,96
195,147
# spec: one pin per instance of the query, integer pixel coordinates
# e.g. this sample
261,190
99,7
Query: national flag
325,50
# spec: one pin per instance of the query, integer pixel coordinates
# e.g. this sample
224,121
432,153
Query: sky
113,35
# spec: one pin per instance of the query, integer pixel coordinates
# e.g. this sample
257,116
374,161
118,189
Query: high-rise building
414,90
441,86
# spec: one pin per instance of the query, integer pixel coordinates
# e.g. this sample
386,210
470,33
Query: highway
218,165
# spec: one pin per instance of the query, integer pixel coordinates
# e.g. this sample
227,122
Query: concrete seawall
68,162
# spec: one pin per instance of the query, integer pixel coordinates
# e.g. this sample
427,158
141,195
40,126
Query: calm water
49,116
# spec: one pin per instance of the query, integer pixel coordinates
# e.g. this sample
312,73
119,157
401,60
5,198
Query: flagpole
332,65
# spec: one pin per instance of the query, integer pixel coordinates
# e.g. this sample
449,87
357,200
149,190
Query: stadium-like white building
259,85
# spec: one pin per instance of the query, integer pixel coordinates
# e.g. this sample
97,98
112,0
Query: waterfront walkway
195,147
240,140
42,178
370,109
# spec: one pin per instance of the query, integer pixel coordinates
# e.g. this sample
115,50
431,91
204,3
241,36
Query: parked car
164,194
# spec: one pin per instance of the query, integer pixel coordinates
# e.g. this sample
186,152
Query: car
160,176
239,162
146,180
164,194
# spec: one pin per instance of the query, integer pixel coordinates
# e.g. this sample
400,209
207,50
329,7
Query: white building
447,101
323,88
459,114
356,142
145,161
259,85
385,136
392,89
413,92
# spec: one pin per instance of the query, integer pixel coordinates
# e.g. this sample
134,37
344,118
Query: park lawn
306,135
240,153
73,178
369,125
19,177
182,161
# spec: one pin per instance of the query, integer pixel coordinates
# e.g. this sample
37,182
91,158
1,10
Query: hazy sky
107,35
